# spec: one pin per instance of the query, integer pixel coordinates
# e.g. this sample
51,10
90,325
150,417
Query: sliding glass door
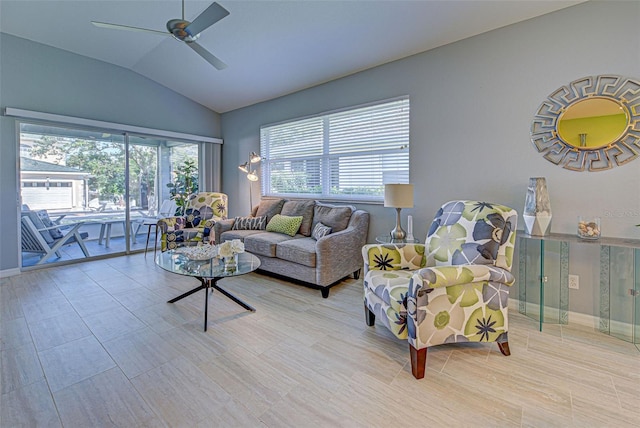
85,192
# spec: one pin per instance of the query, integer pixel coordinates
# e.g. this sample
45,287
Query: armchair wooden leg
369,317
356,274
504,348
325,292
418,361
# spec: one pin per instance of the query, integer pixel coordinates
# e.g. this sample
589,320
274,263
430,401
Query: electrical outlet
574,282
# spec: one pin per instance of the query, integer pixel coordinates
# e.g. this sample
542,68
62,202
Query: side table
386,239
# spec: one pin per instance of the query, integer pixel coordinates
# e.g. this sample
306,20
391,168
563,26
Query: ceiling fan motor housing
178,28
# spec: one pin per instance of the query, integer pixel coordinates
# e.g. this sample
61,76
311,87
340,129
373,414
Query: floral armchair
454,288
201,212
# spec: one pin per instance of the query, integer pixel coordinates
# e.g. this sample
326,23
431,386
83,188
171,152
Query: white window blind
349,154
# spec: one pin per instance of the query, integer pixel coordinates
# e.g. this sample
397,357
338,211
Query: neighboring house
46,185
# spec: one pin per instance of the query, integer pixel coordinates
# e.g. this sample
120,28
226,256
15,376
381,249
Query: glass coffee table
208,272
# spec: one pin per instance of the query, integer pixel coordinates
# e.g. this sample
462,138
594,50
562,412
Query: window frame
327,157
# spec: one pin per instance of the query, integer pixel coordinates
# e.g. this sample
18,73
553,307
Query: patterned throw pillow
320,230
335,216
250,223
284,224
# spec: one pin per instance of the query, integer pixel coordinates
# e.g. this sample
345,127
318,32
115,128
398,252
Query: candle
409,227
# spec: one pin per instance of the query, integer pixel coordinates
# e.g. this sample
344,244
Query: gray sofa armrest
222,226
340,254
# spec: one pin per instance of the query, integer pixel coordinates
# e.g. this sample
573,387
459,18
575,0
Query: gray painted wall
472,103
40,78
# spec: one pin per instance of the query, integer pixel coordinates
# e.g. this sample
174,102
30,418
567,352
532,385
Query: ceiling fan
185,31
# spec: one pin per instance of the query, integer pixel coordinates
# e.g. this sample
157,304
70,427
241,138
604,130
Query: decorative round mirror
591,124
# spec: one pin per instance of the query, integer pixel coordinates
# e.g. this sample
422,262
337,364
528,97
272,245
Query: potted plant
185,184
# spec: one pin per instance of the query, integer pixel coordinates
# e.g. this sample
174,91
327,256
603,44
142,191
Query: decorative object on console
537,208
398,196
251,173
589,227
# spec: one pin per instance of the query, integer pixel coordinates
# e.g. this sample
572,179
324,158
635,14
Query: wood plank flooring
96,345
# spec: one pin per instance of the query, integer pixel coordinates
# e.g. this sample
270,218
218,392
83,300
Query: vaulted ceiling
272,48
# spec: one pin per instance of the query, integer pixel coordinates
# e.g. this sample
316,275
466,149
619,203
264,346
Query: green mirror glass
591,124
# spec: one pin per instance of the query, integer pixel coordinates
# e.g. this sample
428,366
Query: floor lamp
251,173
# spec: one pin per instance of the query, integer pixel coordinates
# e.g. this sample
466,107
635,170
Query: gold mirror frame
544,130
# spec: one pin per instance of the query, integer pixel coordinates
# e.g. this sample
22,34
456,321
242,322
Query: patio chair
41,235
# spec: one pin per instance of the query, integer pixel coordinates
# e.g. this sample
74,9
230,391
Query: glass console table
543,292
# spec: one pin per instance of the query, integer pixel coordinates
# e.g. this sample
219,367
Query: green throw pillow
284,224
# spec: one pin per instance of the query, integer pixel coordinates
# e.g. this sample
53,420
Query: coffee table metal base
207,283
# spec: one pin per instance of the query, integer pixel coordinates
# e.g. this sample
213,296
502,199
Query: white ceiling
272,48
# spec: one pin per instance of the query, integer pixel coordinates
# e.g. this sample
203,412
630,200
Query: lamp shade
254,157
244,167
398,195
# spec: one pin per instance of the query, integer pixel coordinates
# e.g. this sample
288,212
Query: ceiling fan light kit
184,31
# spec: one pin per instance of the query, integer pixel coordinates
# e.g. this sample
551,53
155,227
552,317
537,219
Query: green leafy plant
184,184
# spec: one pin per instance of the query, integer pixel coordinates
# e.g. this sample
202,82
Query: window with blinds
349,154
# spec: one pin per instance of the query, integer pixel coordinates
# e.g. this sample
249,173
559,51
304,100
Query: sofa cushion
302,208
320,230
269,207
334,216
237,234
264,243
284,224
301,251
250,223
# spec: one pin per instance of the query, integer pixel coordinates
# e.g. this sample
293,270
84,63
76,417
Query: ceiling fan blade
127,28
208,56
210,16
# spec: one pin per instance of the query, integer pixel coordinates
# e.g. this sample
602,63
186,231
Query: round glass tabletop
209,268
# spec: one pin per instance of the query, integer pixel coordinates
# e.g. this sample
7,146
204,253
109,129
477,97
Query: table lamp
398,196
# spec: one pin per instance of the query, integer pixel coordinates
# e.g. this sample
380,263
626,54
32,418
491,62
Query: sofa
309,241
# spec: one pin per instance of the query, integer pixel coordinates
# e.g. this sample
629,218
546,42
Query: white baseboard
9,272
578,318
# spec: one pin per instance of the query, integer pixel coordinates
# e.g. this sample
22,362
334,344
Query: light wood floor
96,344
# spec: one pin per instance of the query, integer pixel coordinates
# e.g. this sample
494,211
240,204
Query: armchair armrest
393,257
222,226
448,276
58,219
62,226
168,223
340,251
